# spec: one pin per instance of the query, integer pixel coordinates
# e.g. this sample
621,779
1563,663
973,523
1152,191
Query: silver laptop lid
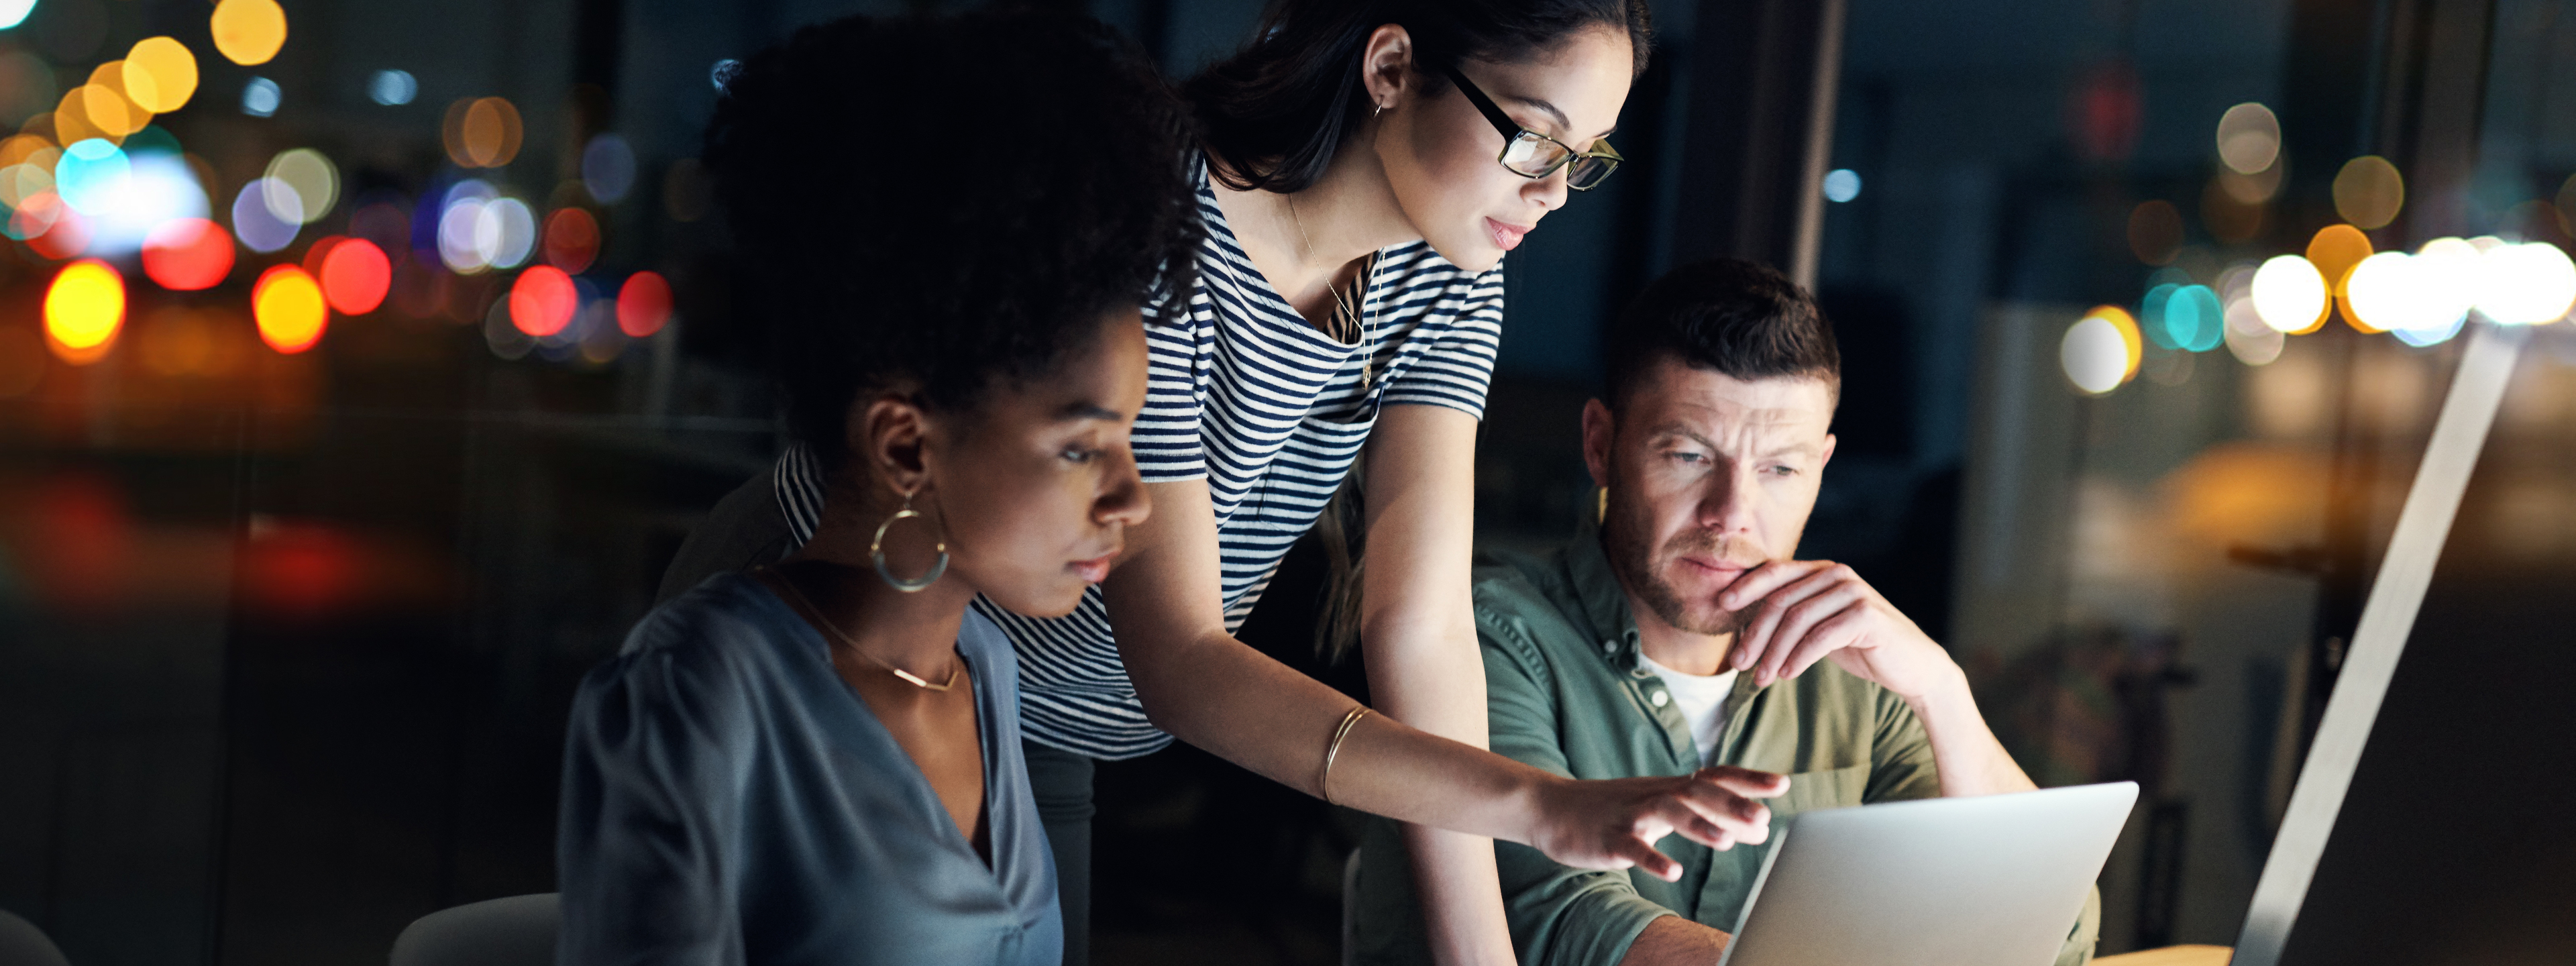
1996,880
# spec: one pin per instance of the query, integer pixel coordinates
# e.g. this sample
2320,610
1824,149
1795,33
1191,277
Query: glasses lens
1586,172
1532,155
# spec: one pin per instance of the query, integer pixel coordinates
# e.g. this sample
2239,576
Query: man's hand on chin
1798,612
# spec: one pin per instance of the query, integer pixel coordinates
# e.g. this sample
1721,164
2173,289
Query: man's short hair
1738,318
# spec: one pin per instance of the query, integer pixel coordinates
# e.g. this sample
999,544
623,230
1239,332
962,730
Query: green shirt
1567,693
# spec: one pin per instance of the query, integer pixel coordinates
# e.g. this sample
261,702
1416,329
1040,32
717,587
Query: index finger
1744,781
1759,582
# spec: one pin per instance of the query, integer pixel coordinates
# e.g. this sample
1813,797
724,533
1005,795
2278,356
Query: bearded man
1678,632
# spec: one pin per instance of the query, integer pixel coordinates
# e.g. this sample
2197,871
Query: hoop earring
1381,109
876,552
1601,506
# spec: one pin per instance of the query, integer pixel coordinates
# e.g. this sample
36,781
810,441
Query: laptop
1996,880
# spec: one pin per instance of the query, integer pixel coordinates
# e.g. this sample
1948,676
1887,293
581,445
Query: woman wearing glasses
1364,168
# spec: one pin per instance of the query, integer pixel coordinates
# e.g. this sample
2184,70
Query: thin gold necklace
806,604
1344,321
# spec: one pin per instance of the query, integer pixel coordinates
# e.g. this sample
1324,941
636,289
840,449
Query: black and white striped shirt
1247,395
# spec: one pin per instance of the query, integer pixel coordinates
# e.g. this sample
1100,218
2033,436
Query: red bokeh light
355,276
643,304
572,239
188,254
301,570
66,237
542,301
83,541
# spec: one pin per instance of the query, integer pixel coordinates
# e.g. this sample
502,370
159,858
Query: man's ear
1600,430
1386,64
1828,455
888,431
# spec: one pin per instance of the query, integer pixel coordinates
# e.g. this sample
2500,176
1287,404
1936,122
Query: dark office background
286,643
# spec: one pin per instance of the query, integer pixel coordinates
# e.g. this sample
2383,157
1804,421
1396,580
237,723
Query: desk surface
2171,956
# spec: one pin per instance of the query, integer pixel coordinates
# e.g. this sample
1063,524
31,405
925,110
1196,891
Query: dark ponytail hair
1273,115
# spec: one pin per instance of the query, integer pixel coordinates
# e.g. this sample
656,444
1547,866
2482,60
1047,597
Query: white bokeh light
2288,293
2094,354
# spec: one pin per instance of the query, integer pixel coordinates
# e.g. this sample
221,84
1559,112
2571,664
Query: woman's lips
1095,569
1506,236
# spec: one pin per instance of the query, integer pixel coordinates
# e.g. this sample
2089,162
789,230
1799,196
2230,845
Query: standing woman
1365,167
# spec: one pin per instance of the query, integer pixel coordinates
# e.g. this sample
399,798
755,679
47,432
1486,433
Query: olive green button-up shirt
1567,693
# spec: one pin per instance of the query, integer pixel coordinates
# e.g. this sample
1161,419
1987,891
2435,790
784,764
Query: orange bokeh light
188,254
84,308
643,304
289,307
355,276
542,301
572,239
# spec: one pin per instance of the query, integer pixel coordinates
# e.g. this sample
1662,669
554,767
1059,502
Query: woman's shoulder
716,632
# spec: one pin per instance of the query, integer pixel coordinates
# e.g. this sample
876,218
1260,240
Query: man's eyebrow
1562,122
1677,429
1798,449
1086,409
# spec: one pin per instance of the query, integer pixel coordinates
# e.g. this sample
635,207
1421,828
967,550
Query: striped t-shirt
1247,395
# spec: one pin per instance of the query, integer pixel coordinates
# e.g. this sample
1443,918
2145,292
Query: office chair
516,931
22,944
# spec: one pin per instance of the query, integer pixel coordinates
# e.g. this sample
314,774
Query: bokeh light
14,12
571,239
159,187
505,233
2190,316
248,32
542,301
84,307
2289,295
302,186
2094,355
35,215
187,254
105,102
392,88
355,276
260,97
457,220
608,168
2369,192
289,308
2382,291
160,74
2249,138
1841,185
2251,340
2335,250
254,222
481,132
644,304
2532,283
92,176
2155,232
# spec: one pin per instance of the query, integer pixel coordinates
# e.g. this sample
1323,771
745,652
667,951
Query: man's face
1708,477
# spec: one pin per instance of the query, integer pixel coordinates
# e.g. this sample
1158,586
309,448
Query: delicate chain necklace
806,604
1343,325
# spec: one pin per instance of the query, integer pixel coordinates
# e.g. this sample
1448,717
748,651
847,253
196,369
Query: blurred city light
84,307
2385,293
543,300
105,104
1842,184
2289,295
259,97
505,233
2189,315
2532,283
160,74
248,32
571,239
2249,138
481,132
14,12
392,88
2096,354
2369,192
2251,340
355,276
256,220
608,168
92,176
158,188
187,254
289,309
644,304
302,186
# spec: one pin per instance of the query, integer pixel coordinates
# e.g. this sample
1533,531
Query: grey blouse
727,799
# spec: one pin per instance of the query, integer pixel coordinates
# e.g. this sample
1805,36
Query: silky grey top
728,799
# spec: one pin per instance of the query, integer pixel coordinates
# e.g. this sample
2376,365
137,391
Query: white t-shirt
1701,700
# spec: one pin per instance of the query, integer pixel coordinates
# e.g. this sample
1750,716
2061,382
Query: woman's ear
1386,65
888,431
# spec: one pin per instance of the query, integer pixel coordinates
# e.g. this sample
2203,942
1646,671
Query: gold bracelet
1324,784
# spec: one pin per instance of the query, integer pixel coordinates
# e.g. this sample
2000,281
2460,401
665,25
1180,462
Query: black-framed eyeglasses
1533,155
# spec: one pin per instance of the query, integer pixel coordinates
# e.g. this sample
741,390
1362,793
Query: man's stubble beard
1624,542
